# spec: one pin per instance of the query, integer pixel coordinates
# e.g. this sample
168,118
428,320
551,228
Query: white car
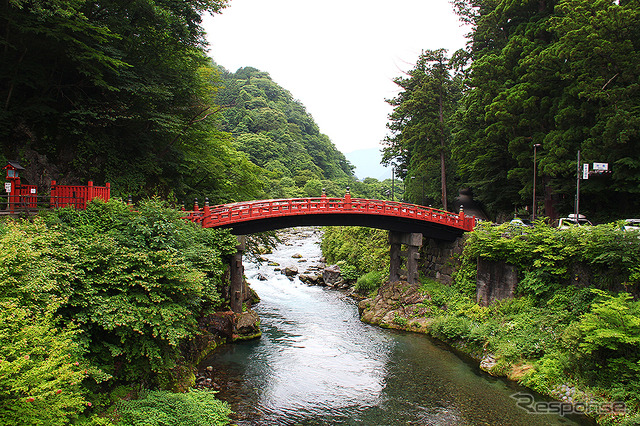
570,220
631,225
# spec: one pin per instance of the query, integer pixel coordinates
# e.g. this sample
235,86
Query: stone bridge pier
238,291
408,258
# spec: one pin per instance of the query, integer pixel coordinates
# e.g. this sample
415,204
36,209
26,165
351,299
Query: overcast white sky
338,57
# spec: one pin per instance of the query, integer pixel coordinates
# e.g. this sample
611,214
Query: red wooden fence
77,195
25,197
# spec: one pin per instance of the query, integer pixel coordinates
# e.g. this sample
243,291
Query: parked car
571,220
521,222
631,225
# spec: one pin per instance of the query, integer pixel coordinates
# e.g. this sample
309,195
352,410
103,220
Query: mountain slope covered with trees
279,135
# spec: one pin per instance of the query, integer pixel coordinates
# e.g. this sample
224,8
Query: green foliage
548,258
277,133
420,124
162,408
610,345
361,248
369,282
134,281
561,74
555,333
117,92
41,366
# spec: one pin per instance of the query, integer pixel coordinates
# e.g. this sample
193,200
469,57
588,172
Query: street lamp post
412,186
535,167
393,175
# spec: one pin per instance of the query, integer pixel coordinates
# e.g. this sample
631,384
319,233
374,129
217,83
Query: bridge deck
258,216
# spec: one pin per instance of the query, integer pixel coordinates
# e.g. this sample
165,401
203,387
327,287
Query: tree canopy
561,75
278,134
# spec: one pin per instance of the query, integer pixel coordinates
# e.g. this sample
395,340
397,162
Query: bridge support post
409,257
236,277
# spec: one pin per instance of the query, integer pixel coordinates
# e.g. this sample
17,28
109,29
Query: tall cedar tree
419,143
562,74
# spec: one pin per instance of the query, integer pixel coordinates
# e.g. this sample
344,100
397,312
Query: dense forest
126,94
560,76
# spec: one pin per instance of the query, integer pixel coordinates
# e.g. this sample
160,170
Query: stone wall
495,281
438,259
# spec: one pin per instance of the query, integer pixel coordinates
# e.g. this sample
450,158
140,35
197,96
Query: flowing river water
318,364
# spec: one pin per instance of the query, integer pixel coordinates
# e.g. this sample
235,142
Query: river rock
261,277
310,279
331,276
305,278
290,271
396,305
247,325
297,256
487,362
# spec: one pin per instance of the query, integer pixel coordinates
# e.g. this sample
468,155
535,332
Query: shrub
163,408
369,282
40,368
140,280
366,249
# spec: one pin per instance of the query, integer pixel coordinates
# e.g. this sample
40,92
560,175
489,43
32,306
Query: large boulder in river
290,271
398,305
332,277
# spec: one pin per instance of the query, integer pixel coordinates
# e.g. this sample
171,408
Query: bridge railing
228,214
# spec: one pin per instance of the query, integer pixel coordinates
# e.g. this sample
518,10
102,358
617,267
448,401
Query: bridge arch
407,224
265,215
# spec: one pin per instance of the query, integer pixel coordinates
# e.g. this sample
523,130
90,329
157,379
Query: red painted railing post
89,195
206,210
52,197
347,199
195,205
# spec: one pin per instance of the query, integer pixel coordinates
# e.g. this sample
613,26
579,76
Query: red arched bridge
404,221
258,216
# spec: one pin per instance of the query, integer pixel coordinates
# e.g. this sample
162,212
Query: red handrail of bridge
229,214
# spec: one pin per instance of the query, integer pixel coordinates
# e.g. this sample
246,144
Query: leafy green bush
41,368
134,281
347,271
369,282
366,249
547,257
610,345
143,277
162,408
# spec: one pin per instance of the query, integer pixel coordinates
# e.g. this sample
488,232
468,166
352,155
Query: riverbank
433,309
318,363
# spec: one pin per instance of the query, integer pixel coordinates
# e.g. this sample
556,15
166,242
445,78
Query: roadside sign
7,187
601,166
585,171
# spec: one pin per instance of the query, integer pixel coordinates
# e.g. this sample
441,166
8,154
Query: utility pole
533,203
577,206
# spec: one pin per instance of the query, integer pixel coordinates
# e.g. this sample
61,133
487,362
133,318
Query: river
318,364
